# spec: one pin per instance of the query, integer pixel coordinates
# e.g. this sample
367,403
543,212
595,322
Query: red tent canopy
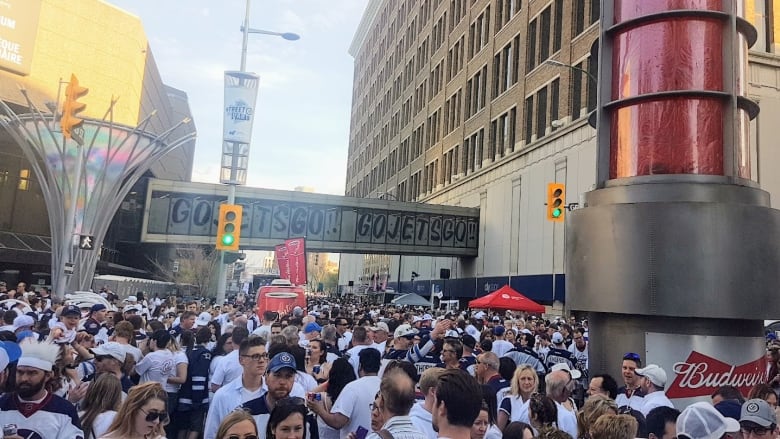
506,298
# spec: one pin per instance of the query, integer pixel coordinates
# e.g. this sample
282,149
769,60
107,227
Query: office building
107,49
481,103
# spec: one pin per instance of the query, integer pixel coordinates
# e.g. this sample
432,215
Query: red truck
281,297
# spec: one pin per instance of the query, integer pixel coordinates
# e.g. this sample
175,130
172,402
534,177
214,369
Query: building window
478,32
541,112
579,17
554,97
576,92
592,89
595,11
24,179
529,119
505,11
531,52
544,35
558,35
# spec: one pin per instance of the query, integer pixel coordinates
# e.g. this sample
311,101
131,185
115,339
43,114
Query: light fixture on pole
552,62
240,99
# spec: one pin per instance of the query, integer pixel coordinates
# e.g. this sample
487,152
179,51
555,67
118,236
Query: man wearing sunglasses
758,420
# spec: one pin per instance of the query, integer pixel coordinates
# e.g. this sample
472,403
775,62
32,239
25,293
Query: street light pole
552,62
235,147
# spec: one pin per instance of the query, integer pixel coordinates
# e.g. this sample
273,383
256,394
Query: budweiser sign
701,375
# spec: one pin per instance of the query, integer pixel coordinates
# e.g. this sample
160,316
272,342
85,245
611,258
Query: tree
331,281
193,265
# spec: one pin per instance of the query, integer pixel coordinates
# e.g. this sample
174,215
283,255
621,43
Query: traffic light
556,201
71,107
229,226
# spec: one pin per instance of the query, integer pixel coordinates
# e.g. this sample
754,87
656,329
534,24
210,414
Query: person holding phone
351,409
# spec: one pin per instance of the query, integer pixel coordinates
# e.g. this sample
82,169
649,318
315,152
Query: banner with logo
240,100
296,253
697,365
283,261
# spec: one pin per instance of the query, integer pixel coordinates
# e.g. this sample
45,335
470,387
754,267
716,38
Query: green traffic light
227,239
556,213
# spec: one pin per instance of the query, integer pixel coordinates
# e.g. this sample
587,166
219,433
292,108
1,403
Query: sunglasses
153,416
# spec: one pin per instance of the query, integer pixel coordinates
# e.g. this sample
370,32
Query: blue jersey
194,393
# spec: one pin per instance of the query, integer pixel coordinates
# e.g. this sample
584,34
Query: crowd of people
99,366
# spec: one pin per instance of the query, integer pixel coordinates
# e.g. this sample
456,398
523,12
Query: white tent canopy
411,299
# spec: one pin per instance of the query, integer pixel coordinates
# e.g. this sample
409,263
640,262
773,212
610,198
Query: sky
301,127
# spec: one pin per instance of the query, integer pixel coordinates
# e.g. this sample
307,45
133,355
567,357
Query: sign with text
337,224
240,100
697,365
18,29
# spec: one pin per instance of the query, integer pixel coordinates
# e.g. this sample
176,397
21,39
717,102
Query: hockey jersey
194,393
52,418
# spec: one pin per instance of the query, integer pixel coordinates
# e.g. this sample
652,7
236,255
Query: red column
680,134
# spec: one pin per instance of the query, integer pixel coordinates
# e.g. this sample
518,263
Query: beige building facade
456,102
106,48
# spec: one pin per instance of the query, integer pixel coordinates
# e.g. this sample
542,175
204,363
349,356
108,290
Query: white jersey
582,360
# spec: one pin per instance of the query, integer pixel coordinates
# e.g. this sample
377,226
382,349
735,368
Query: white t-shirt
501,347
178,358
227,370
354,357
344,340
157,366
567,420
100,424
354,401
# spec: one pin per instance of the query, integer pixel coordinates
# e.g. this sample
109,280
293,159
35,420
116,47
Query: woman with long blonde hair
514,407
142,415
98,409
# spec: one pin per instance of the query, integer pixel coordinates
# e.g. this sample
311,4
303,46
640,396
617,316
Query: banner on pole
240,101
296,252
283,261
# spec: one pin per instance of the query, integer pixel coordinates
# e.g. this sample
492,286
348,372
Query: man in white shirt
381,332
344,335
253,360
500,346
360,341
230,368
421,411
157,365
352,408
269,317
559,386
653,383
